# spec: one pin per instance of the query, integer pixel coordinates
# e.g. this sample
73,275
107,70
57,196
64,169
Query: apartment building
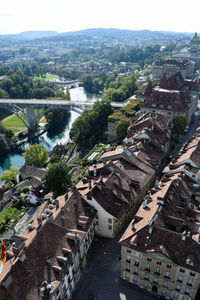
160,248
47,260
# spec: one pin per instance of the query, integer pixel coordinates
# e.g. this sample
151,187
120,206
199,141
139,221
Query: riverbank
50,138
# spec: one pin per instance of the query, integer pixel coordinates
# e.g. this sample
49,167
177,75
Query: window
149,258
128,260
189,282
180,278
157,271
176,296
135,279
164,292
110,227
110,221
178,287
136,272
146,277
192,274
137,263
148,267
155,280
158,262
153,105
169,266
187,291
127,267
182,270
167,274
165,284
128,251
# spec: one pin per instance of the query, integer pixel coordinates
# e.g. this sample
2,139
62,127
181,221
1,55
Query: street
101,278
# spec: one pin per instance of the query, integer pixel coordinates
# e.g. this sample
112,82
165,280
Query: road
101,276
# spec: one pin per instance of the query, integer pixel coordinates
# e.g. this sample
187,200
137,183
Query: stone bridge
30,111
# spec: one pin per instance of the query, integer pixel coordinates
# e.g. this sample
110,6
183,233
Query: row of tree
120,89
18,85
93,83
91,127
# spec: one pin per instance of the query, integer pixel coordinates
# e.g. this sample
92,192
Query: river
51,138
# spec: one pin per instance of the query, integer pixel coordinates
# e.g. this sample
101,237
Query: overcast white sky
69,15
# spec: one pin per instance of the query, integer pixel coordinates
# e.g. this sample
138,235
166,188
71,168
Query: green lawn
13,121
47,77
15,124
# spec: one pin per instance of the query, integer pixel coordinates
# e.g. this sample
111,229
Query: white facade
104,221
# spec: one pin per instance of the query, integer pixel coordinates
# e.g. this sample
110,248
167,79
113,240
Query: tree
36,155
88,83
57,178
90,127
4,145
180,124
10,176
121,128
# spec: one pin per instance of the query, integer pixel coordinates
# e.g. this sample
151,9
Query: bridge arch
31,120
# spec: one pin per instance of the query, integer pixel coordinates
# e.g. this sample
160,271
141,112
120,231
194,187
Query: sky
64,15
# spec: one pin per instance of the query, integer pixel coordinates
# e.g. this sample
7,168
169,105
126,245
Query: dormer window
7,281
189,261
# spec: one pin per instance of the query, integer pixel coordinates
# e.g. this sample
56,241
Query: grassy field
47,77
16,125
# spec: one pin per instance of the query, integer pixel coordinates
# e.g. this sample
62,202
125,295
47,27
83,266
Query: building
171,66
160,248
189,52
195,50
173,97
116,185
47,260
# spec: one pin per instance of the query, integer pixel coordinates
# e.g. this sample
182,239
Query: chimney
171,195
76,240
62,217
89,184
57,203
156,182
100,178
39,221
95,170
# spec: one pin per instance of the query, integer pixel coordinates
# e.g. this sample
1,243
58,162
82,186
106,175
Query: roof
160,224
44,241
32,171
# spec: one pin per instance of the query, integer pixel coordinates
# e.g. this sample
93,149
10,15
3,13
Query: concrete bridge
30,111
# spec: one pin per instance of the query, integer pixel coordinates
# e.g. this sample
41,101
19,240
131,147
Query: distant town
100,165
